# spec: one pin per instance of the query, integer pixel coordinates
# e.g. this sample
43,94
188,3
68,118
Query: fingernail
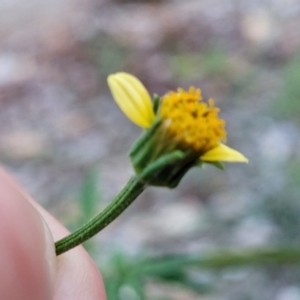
50,256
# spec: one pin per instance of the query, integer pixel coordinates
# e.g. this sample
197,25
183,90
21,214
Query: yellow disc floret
192,123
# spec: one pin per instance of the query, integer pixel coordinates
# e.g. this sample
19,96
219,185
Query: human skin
29,268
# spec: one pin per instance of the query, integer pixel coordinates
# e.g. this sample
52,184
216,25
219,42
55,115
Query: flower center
191,122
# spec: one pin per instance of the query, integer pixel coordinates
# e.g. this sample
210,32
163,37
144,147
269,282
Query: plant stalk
128,194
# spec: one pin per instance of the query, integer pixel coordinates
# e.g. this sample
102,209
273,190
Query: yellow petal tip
224,153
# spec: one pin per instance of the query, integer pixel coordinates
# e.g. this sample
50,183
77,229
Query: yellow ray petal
132,98
223,153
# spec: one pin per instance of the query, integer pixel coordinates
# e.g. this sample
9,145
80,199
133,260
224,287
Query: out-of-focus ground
58,119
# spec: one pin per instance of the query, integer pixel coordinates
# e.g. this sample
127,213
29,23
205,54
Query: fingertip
26,261
78,277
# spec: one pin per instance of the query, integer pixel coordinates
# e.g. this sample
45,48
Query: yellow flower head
191,122
187,122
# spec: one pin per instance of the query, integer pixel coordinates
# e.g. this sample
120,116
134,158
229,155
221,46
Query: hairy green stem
128,194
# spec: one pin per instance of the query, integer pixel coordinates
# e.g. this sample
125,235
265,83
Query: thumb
27,255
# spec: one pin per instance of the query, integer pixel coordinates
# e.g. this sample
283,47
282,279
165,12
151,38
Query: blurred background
65,140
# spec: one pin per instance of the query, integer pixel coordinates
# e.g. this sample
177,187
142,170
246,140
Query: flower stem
128,194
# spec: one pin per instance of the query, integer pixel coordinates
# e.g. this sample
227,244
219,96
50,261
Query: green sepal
217,164
157,161
167,170
144,138
156,102
199,163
